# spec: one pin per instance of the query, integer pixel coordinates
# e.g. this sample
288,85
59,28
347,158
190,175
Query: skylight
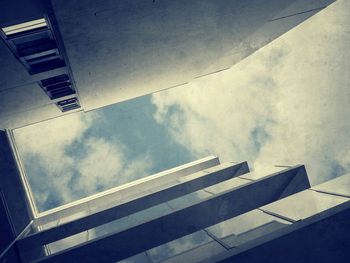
23,27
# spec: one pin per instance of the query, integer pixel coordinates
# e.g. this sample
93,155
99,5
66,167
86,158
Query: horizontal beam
183,186
322,238
149,181
181,222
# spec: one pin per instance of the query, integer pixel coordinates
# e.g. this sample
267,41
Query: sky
286,104
81,154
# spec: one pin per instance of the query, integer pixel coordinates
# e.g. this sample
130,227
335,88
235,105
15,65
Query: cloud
221,113
100,166
64,163
47,141
287,103
105,166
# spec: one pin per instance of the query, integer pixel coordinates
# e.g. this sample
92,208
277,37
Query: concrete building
59,57
204,211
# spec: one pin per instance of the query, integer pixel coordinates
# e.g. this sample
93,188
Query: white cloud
291,98
54,134
101,165
48,141
106,166
98,165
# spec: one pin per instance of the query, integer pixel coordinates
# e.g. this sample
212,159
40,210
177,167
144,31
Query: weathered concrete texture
119,50
22,101
143,47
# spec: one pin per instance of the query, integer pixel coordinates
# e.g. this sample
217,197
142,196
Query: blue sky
288,103
85,153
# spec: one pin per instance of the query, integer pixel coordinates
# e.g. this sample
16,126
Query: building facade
204,211
55,61
59,57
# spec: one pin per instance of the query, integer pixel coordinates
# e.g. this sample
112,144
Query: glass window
304,204
246,227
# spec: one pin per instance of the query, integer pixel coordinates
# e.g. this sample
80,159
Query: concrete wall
143,47
22,101
14,215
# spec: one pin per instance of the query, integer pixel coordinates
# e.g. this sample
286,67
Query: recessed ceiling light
23,27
